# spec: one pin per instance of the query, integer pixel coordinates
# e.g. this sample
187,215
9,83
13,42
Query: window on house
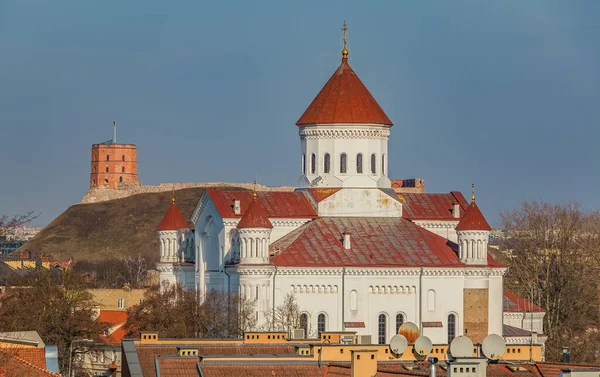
313,163
303,164
123,158
122,169
373,164
107,158
353,300
399,321
121,303
327,163
107,169
359,169
381,329
121,179
383,164
343,167
304,323
451,327
93,182
321,322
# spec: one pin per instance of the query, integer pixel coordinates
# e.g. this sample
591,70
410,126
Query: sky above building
504,93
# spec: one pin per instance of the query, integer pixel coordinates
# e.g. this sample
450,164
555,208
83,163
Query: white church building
356,254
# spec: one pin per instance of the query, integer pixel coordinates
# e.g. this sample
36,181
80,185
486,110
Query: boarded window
353,300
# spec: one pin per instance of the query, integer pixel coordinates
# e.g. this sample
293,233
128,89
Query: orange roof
514,303
173,219
114,318
255,216
344,99
35,356
473,219
13,365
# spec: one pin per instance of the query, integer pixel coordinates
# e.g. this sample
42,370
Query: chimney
346,240
364,363
456,211
566,355
237,208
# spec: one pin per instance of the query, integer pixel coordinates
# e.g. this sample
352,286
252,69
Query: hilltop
110,229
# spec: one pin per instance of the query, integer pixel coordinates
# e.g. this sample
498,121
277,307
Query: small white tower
344,135
168,239
473,233
254,232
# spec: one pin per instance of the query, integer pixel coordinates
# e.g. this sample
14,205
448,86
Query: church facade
356,255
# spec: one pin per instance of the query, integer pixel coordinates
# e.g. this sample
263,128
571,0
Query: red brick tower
113,164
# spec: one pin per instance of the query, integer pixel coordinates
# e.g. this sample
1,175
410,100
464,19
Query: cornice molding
344,133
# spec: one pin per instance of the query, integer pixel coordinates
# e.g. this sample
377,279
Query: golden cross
345,30
473,191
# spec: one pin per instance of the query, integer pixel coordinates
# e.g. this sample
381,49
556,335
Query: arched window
343,159
304,323
399,321
321,322
122,169
451,327
383,164
107,157
123,158
327,163
121,179
303,164
381,329
353,300
373,163
107,169
313,163
359,163
431,300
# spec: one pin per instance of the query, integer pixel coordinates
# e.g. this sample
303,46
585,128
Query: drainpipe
273,319
343,297
228,280
421,301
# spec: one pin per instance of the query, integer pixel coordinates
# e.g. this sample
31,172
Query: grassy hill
110,229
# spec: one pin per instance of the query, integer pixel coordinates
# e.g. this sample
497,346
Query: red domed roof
173,219
255,216
473,219
344,99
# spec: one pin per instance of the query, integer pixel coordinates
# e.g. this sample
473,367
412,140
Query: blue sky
503,93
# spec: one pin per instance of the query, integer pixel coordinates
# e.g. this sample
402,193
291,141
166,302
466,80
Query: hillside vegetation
111,229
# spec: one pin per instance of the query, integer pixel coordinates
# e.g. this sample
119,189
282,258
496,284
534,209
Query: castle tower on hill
113,163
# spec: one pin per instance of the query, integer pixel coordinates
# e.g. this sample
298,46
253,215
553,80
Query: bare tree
553,261
8,224
286,316
179,313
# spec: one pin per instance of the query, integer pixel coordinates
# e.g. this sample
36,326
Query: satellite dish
493,346
423,345
398,344
410,331
461,346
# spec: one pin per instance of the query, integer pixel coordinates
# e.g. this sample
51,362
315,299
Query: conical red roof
255,216
344,99
173,219
473,219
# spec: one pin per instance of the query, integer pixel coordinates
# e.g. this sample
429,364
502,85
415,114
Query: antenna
493,346
398,344
461,346
114,140
410,331
423,345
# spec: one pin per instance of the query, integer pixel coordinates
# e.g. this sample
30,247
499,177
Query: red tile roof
277,204
473,220
375,241
513,303
148,354
116,320
344,99
422,206
35,356
178,367
255,216
509,331
15,366
173,219
262,370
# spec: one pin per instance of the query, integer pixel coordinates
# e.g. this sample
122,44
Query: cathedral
356,254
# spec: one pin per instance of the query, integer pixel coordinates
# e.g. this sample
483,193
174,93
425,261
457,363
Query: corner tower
473,233
344,135
113,163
